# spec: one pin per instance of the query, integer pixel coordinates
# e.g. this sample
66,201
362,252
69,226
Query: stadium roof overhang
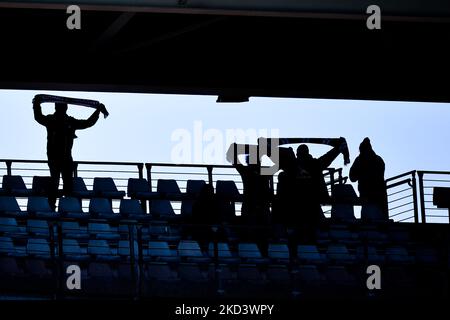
279,48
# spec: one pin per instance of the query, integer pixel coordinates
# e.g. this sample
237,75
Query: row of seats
168,189
114,249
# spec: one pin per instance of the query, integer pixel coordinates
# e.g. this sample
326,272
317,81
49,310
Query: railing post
8,167
75,169
148,167
210,176
422,197
331,171
141,170
414,187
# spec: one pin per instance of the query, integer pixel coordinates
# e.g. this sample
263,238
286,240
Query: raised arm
37,110
84,124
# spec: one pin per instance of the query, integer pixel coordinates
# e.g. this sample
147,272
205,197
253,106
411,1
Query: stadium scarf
341,142
43,98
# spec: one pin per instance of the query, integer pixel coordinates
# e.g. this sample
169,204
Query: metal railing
428,180
402,197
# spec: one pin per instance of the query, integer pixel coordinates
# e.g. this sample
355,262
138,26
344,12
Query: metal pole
8,167
210,176
75,169
414,187
148,167
422,197
141,170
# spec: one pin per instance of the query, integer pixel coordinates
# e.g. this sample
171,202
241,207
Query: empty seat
194,187
71,207
101,207
162,209
38,228
250,253
124,249
15,186
279,252
140,189
10,226
342,234
38,248
103,231
343,195
309,254
339,254
73,252
9,205
161,232
41,186
102,250
79,189
191,250
131,208
168,188
105,187
160,251
40,206
398,255
7,247
227,190
71,229
224,254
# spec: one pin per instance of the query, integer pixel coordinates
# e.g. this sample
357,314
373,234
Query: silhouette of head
302,151
60,108
365,146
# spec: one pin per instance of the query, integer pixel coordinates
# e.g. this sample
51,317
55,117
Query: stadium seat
140,189
41,186
9,206
279,253
346,194
309,254
224,254
73,252
9,226
162,209
124,249
15,186
71,207
369,254
190,250
160,251
103,231
339,254
101,208
249,253
168,189
40,207
398,255
39,228
106,188
227,190
39,248
80,190
132,208
102,251
72,230
8,248
194,187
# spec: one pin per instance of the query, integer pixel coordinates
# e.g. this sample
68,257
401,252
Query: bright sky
147,128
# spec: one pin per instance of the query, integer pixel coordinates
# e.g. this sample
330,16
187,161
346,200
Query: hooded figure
368,170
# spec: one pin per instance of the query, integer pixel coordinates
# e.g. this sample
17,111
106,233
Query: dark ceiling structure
259,48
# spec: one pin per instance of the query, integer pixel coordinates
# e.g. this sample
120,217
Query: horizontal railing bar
402,205
403,212
406,219
391,194
436,180
405,181
433,172
400,176
107,171
408,196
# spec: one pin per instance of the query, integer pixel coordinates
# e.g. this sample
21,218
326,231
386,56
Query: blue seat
339,253
8,248
140,189
39,228
227,190
279,252
106,188
162,209
9,205
73,252
191,251
79,189
38,248
124,249
160,251
102,251
101,207
71,207
250,253
309,254
40,206
10,226
15,186
168,189
398,255
103,231
132,208
71,229
41,186
194,187
224,253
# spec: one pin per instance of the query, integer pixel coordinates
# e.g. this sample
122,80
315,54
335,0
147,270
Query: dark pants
60,167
